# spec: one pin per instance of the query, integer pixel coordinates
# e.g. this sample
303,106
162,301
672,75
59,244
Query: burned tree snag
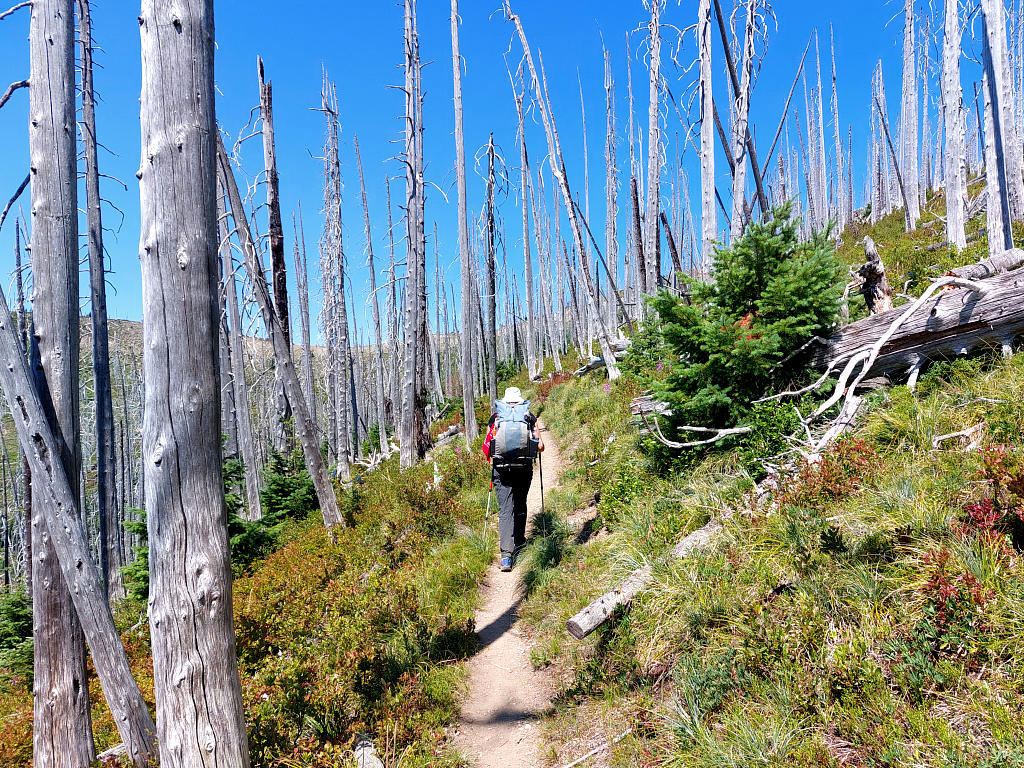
875,289
199,717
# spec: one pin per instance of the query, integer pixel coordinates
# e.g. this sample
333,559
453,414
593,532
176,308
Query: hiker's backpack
513,446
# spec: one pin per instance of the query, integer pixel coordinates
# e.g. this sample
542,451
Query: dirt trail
498,727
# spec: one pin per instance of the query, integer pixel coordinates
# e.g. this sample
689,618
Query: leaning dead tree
305,429
62,732
199,717
560,176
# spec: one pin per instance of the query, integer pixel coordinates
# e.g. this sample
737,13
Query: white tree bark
709,215
61,732
908,122
466,340
652,247
954,155
741,112
199,716
1000,91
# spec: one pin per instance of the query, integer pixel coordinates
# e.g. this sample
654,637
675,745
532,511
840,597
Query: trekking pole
490,492
540,459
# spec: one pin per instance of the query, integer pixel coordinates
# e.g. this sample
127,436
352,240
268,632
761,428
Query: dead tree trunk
840,187
62,733
558,172
740,121
413,321
106,471
302,282
304,428
652,243
56,508
1002,156
611,185
876,290
908,120
466,270
955,173
243,411
275,233
378,336
199,717
491,338
1000,91
708,214
532,367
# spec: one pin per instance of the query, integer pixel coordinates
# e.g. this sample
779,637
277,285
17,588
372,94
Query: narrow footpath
499,725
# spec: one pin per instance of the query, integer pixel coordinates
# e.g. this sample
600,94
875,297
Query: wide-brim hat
512,396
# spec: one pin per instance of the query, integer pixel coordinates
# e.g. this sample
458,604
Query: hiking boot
506,563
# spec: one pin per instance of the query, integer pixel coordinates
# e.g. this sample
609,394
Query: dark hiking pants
512,487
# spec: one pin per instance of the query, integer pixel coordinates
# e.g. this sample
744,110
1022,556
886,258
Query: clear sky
360,45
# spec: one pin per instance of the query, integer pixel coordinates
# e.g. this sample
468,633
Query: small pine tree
15,635
770,294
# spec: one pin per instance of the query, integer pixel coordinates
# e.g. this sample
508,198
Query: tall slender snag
106,470
466,339
199,717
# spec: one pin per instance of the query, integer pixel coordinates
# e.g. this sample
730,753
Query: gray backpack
513,446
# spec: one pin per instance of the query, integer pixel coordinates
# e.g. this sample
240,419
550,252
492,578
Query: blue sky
360,45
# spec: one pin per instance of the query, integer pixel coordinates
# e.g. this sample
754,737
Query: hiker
512,443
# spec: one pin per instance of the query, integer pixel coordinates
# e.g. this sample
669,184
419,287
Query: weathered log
595,614
954,321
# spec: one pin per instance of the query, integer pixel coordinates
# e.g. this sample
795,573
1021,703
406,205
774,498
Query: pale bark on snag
1000,91
532,367
908,122
106,471
199,717
954,155
378,336
611,185
876,290
275,235
708,214
243,412
62,732
305,430
466,342
741,113
557,164
302,282
651,241
57,511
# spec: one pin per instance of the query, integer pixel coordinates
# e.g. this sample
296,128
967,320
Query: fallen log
598,612
951,322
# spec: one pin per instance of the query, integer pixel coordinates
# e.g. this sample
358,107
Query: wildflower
607,387
660,367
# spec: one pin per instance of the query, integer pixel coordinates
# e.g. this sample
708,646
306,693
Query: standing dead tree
199,717
955,171
532,366
1001,137
111,559
652,243
275,234
62,733
908,139
302,283
378,336
466,270
305,429
708,216
243,411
